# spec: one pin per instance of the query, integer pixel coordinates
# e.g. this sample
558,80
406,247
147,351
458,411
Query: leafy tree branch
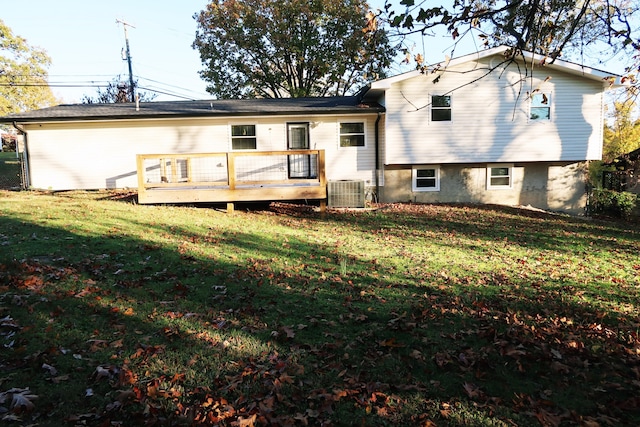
292,48
23,74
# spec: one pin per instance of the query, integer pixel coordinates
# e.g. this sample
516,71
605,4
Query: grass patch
116,313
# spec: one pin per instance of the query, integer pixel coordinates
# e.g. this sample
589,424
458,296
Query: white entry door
300,165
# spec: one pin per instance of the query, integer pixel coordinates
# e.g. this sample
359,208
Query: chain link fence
11,171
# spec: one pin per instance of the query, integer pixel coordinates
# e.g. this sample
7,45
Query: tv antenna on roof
126,38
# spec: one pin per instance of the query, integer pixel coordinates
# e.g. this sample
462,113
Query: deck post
141,173
323,180
321,169
163,170
230,208
231,170
174,170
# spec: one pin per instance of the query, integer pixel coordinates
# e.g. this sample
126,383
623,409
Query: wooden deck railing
231,177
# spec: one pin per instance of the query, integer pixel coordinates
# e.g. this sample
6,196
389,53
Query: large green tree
622,134
289,48
23,74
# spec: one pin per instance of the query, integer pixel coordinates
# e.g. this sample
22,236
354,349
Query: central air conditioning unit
346,194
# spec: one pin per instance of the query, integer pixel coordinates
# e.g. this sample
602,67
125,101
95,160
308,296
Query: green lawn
114,313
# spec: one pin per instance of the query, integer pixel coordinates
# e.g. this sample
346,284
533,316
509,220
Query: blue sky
85,43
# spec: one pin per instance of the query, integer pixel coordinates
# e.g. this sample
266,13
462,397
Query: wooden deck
232,177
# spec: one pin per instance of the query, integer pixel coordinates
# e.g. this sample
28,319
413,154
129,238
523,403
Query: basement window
425,178
499,177
243,137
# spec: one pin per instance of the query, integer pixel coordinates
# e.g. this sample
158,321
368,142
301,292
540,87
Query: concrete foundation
559,187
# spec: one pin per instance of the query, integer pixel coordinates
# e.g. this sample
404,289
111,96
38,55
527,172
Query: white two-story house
491,127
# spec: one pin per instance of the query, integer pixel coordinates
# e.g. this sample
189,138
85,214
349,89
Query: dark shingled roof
186,109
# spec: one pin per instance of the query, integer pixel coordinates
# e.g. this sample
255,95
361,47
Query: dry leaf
21,400
101,372
51,369
247,422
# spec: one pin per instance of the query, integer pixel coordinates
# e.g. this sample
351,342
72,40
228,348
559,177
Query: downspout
27,178
377,142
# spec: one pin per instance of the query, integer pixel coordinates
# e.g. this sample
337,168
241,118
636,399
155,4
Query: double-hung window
425,178
540,107
352,134
440,108
499,176
243,137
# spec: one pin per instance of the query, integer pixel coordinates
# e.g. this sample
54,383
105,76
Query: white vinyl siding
492,117
350,162
96,155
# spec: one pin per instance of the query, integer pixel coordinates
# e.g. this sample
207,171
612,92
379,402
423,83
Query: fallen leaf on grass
60,378
125,395
473,391
97,345
21,400
247,422
101,373
547,418
50,369
391,342
289,332
117,344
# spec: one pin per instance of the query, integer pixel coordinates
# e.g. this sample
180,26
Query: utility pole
132,89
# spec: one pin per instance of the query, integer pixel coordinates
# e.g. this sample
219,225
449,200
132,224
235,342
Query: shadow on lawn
175,335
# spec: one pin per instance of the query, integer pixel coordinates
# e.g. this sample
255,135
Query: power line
98,83
150,89
169,85
70,85
166,93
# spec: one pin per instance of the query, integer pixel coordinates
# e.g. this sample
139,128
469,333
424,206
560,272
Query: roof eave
610,80
168,116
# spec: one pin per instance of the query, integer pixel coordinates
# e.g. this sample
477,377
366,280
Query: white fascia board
386,83
607,79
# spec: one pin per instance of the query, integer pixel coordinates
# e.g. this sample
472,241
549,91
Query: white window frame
363,133
298,125
509,167
450,108
232,137
532,98
414,178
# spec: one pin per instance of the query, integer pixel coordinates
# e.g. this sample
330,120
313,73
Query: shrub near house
619,204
